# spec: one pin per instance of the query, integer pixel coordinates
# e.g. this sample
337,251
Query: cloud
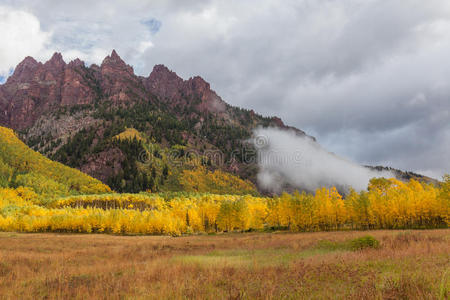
21,36
90,34
285,158
369,79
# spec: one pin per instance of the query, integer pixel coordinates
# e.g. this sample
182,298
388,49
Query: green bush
364,243
349,245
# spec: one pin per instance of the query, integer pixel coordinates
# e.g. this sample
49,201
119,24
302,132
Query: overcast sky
370,79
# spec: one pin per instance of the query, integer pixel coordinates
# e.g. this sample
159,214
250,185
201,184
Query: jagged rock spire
24,71
114,61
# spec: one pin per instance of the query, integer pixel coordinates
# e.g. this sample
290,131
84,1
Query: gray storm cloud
368,78
285,158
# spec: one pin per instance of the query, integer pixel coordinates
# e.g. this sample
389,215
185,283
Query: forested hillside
23,167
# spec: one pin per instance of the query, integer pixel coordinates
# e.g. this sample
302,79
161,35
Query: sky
370,79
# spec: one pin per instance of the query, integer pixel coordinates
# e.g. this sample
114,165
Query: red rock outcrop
164,83
35,89
104,165
169,87
75,90
118,81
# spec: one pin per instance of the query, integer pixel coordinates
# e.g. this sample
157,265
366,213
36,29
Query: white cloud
21,35
144,45
286,158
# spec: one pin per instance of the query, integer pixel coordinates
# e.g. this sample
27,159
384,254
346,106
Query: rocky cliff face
35,89
179,93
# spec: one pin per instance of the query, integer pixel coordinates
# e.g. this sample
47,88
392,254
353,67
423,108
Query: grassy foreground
405,265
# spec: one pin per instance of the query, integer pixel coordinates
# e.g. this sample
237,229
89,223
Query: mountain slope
72,113
404,175
21,166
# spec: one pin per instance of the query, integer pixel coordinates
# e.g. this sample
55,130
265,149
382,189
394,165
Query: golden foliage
129,134
201,180
387,204
34,170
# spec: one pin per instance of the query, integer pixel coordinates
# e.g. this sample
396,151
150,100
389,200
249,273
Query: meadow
321,265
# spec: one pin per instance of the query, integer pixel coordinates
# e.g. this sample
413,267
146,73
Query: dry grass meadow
406,265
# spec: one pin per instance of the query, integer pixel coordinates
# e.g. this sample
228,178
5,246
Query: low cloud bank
288,159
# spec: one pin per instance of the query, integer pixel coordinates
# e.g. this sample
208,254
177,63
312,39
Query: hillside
21,166
73,113
405,175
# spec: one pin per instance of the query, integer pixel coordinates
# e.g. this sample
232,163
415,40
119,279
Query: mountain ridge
66,82
51,103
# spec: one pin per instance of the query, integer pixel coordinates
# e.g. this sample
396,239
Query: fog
286,158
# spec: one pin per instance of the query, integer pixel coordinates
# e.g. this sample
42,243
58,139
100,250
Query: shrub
364,243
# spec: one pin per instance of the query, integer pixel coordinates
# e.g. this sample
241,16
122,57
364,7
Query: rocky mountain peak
76,63
114,62
37,89
114,55
164,82
56,60
161,71
55,65
198,84
25,69
27,62
162,75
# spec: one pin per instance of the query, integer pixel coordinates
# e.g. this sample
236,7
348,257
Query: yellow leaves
388,204
331,212
129,134
218,182
112,201
257,212
40,173
7,133
20,197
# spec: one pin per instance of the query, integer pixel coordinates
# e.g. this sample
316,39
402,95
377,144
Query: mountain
36,89
21,166
132,132
72,113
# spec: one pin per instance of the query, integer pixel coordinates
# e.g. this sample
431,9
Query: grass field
406,265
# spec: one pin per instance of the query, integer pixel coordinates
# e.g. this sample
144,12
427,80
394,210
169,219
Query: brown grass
407,265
